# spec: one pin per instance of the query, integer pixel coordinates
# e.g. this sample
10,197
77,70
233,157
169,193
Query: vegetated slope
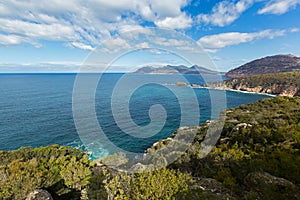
257,157
62,171
267,65
282,84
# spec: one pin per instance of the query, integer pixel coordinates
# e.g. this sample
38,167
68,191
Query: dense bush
159,184
63,171
267,80
263,136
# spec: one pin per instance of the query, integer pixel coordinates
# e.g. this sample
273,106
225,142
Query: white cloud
82,46
132,32
279,6
142,45
189,48
38,31
85,23
115,44
167,8
180,22
214,42
294,30
225,12
159,51
134,29
170,42
10,39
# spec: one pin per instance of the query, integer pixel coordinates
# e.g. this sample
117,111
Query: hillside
267,65
256,157
282,84
180,69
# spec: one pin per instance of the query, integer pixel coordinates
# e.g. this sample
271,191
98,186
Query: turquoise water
36,109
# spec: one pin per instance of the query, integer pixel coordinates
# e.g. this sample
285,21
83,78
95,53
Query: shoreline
242,91
232,90
196,86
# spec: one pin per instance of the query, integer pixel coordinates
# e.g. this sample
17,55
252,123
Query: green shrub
159,184
61,170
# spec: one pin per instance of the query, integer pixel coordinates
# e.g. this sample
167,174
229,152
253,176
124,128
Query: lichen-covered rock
262,185
39,194
213,189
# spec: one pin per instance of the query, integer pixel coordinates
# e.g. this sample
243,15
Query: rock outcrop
213,189
262,185
39,194
275,89
181,84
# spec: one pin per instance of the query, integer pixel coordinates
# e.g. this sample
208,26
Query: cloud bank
212,43
89,24
225,12
84,24
279,6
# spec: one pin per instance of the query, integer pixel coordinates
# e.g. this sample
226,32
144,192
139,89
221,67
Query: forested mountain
267,65
180,69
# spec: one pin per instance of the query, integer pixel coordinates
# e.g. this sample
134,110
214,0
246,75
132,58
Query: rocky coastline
280,84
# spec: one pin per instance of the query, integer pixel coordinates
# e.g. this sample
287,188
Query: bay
36,109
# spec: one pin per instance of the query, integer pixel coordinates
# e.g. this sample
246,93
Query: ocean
36,109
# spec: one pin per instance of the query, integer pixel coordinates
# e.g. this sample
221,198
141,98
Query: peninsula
179,69
276,75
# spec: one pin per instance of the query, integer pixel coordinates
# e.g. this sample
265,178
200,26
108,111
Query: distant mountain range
180,69
267,65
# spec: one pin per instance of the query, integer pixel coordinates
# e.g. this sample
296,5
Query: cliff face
275,89
282,84
267,65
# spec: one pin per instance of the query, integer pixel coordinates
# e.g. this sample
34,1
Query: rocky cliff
281,84
267,65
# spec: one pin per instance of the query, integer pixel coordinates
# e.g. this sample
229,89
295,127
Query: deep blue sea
36,109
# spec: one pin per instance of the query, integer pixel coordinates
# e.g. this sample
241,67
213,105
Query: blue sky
61,35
